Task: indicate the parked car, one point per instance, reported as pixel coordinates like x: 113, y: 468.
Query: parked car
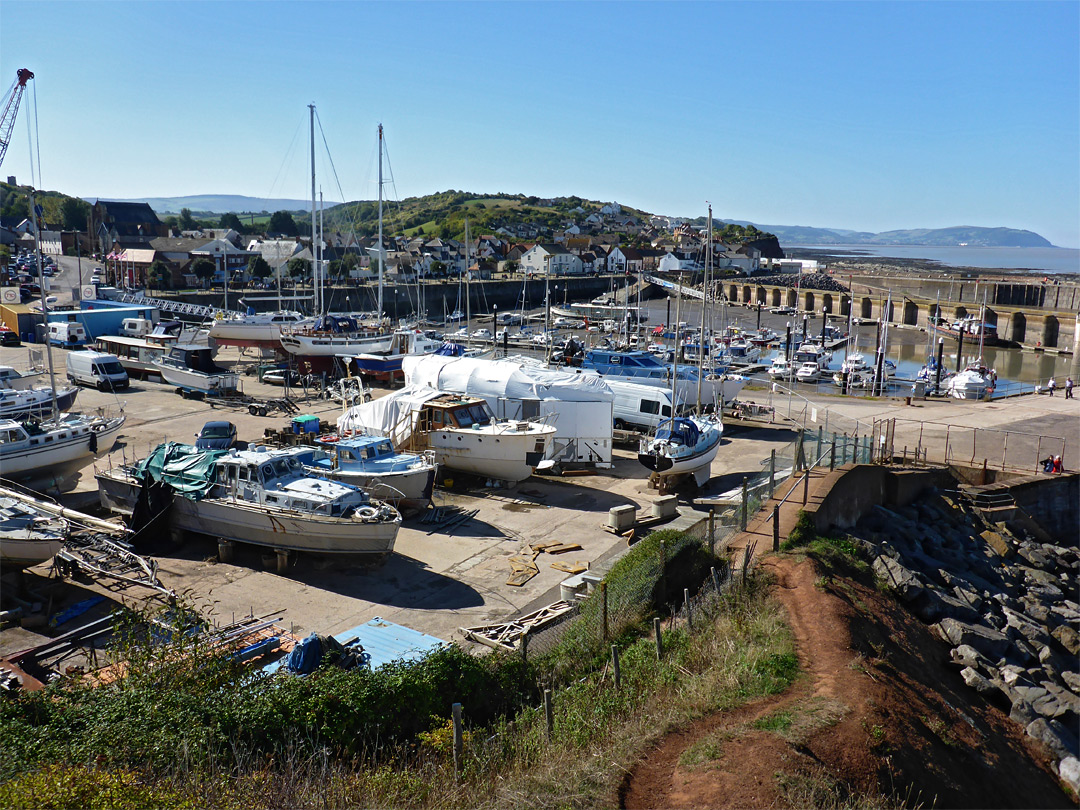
x: 8, y: 337
x: 218, y: 435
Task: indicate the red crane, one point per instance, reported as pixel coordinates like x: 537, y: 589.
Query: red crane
x: 7, y: 121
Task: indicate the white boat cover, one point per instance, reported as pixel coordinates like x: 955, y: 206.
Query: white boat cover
x: 393, y: 416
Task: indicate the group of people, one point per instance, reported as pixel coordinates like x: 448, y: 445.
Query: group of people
x: 1051, y: 386
x: 1051, y: 464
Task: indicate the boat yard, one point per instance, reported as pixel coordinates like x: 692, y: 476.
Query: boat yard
x: 452, y: 565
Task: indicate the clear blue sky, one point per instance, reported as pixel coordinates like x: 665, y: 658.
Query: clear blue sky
x: 868, y: 116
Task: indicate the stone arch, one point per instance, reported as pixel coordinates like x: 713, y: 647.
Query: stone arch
x: 776, y: 297
x: 1051, y: 327
x: 888, y: 310
x: 761, y: 299
x: 1018, y: 327
x: 746, y: 293
x: 960, y: 312
x: 808, y: 301
x: 792, y: 298
x: 867, y: 309
x: 911, y: 313
x: 845, y: 305
x: 733, y: 293
x: 827, y: 302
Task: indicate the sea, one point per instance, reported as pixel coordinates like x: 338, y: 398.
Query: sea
x: 1044, y: 260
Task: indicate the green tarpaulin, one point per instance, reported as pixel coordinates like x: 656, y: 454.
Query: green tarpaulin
x: 187, y: 470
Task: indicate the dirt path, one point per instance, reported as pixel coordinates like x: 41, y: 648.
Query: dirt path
x: 876, y: 706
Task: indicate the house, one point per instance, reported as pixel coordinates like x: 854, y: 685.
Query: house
x: 549, y: 257
x: 276, y: 252
x: 673, y: 263
x: 112, y: 221
x: 611, y: 209
x: 625, y: 260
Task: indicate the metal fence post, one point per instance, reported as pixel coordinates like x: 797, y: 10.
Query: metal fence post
x: 745, y: 505
x: 832, y: 453
x: 689, y: 609
x: 712, y: 530
x: 819, y: 437
x: 549, y: 714
x: 659, y: 638
x: 459, y: 740
x: 603, y: 593
x: 805, y: 487
x: 776, y: 527
x: 615, y: 666
x: 663, y: 574
x: 715, y: 579
x: 772, y: 472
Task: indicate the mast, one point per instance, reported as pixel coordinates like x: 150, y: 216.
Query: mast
x: 468, y: 309
x: 704, y: 304
x: 322, y: 262
x: 675, y: 359
x: 314, y: 221
x: 44, y: 303
x: 382, y: 261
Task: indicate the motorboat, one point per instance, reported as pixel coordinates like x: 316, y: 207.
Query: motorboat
x: 600, y: 309
x: 28, y: 536
x: 683, y: 446
x: 460, y: 430
x: 743, y: 352
x: 812, y: 352
x: 855, y: 362
x: 50, y: 449
x: 35, y: 402
x: 974, y: 382
x: 972, y: 327
x: 191, y: 368
x: 264, y: 497
x: 781, y: 369
x: 808, y: 372
x: 256, y: 329
x: 764, y: 337
x: 404, y: 480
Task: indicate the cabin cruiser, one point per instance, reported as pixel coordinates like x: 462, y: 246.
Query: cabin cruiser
x: 683, y: 446
x: 21, y: 380
x: 35, y: 402
x: 264, y: 497
x: 781, y: 369
x: 333, y: 335
x: 53, y: 448
x: 28, y: 535
x: 646, y: 369
x: 971, y: 327
x: 190, y: 367
x: 460, y: 430
x: 811, y: 352
x: 764, y: 337
x: 808, y: 372
x: 743, y: 352
x: 404, y: 480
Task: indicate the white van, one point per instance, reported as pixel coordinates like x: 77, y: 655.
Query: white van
x: 68, y: 334
x: 640, y: 407
x: 103, y: 371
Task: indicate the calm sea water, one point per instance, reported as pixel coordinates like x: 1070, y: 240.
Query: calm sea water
x: 1045, y: 260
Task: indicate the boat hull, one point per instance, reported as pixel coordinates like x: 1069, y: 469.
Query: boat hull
x: 16, y: 553
x: 697, y: 464
x: 409, y: 490
x: 197, y: 381
x: 65, y: 399
x: 503, y: 456
x: 256, y: 524
x: 60, y: 457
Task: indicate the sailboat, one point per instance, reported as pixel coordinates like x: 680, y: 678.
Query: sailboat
x: 58, y: 444
x: 684, y: 445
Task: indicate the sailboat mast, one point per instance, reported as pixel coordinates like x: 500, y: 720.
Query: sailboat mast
x: 323, y: 306
x: 704, y: 303
x: 381, y: 258
x: 675, y: 359
x: 314, y: 221
x: 44, y: 303
x: 468, y: 310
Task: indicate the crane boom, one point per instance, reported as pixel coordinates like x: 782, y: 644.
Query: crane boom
x: 11, y: 107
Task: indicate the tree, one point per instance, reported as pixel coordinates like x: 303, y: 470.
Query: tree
x: 259, y: 268
x: 160, y: 275
x: 73, y: 213
x: 298, y: 268
x: 231, y: 221
x: 186, y: 221
x: 203, y: 269
x: 283, y: 223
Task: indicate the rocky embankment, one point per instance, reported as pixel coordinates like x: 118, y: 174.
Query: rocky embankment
x: 1005, y: 604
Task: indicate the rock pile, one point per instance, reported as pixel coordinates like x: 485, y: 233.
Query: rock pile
x: 810, y: 281
x: 1006, y: 605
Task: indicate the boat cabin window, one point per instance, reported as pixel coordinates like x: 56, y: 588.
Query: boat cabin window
x: 472, y: 415
x: 384, y: 449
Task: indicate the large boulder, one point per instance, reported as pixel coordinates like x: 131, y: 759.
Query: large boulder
x: 1069, y: 771
x: 1067, y: 637
x: 897, y: 577
x: 1061, y: 742
x: 991, y: 643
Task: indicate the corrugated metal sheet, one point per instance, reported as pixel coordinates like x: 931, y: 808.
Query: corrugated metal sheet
x: 386, y: 641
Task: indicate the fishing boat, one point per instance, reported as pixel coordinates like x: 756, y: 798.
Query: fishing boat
x: 263, y: 497
x: 35, y: 402
x: 460, y: 430
x: 764, y: 337
x: 602, y: 308
x: 331, y: 336
x: 28, y: 536
x: 55, y: 447
x: 404, y: 480
x: 971, y: 327
x: 191, y: 368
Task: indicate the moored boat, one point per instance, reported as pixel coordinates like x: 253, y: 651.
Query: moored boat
x: 51, y: 449
x: 191, y: 367
x: 683, y: 446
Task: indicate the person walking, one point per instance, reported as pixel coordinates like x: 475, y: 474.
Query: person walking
x: 1068, y: 388
x: 1051, y: 386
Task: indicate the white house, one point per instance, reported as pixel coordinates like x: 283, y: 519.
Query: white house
x: 549, y: 257
x: 611, y: 209
x: 670, y: 263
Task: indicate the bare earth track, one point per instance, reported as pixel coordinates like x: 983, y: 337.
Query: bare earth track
x: 877, y: 711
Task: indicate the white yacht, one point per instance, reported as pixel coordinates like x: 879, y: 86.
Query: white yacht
x: 974, y: 382
x: 256, y: 330
x: 808, y: 372
x: 51, y: 449
x: 35, y: 403
x: 781, y: 369
x: 191, y: 368
x: 460, y: 430
x: 21, y: 380
x: 261, y: 496
x: 683, y: 446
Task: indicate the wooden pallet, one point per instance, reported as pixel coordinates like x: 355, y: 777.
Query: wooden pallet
x: 507, y: 635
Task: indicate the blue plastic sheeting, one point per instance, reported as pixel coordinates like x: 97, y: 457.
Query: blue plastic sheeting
x: 385, y: 641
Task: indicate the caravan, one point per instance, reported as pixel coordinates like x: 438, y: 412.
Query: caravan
x: 641, y: 407
x: 67, y: 334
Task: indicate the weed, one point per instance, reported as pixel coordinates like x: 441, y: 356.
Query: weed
x: 779, y: 722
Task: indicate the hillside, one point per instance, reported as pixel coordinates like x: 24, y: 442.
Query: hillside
x: 209, y: 204
x: 972, y: 235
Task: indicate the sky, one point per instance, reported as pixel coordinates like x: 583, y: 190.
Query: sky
x: 870, y: 116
